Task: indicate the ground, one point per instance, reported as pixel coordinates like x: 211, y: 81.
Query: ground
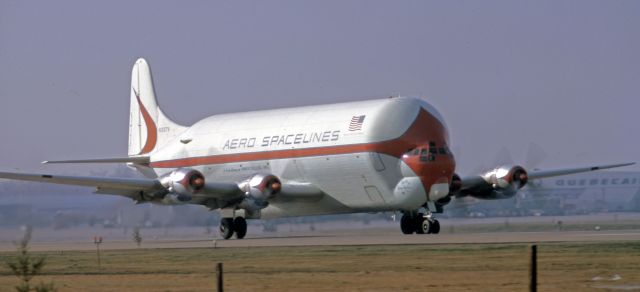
x: 447, y: 267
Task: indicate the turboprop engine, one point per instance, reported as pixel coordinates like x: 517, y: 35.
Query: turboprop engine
x: 502, y: 182
x: 259, y: 189
x: 181, y: 184
x: 507, y: 177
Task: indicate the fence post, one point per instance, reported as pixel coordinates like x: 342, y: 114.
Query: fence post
x: 533, y: 268
x: 97, y: 240
x: 220, y: 288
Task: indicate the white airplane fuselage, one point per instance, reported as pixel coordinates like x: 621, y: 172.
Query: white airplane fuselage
x: 381, y: 155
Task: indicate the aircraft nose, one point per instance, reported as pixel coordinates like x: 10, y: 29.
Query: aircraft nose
x: 434, y: 165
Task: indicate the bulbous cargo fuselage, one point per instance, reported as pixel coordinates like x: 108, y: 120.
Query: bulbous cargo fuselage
x: 379, y: 155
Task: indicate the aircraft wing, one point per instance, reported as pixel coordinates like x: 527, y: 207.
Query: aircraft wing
x: 298, y: 191
x: 213, y: 194
x: 504, y: 182
x: 475, y: 180
x: 128, y: 187
x: 88, y: 181
x: 536, y: 174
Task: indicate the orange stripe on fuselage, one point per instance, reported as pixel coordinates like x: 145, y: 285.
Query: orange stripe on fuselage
x: 266, y: 155
x: 413, y: 137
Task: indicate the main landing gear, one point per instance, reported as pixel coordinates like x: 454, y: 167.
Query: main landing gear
x: 419, y: 224
x: 229, y: 226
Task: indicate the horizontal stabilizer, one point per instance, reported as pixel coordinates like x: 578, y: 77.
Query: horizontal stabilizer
x: 135, y: 159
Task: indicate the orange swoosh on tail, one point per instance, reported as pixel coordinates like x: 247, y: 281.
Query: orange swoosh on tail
x: 152, y: 131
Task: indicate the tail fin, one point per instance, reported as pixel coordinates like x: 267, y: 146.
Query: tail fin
x: 149, y: 127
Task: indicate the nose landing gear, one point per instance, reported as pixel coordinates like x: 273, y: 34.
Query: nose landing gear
x: 419, y: 223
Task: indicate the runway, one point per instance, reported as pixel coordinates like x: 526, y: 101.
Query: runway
x: 597, y: 227
x: 467, y: 238
x: 355, y: 238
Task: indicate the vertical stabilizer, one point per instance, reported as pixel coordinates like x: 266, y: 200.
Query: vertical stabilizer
x: 149, y: 128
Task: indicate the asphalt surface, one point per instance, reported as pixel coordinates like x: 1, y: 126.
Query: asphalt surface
x: 455, y: 231
x: 362, y: 237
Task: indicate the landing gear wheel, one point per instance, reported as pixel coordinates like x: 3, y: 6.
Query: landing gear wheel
x: 418, y: 220
x: 240, y: 225
x: 226, y: 228
x: 435, y: 228
x: 426, y: 226
x: 407, y: 224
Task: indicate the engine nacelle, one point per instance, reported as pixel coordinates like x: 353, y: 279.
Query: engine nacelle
x: 502, y: 183
x: 258, y: 190
x: 182, y: 183
x: 261, y: 186
x: 507, y: 177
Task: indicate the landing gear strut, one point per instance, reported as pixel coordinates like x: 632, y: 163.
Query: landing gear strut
x: 419, y: 223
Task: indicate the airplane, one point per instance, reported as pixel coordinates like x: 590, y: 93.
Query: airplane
x: 388, y: 154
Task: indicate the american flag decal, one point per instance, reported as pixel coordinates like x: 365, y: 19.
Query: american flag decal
x: 356, y: 123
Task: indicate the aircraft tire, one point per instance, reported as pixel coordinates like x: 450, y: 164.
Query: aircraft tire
x: 426, y: 226
x: 240, y: 225
x: 226, y: 228
x: 407, y: 225
x: 418, y: 220
x: 435, y: 227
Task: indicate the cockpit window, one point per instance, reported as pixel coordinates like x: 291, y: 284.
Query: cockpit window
x: 429, y: 153
x: 412, y: 152
x: 424, y: 155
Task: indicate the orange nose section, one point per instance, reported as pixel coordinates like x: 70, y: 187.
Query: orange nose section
x: 433, y: 164
x: 425, y: 150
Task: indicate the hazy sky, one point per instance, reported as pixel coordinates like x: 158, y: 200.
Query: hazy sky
x: 563, y: 74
